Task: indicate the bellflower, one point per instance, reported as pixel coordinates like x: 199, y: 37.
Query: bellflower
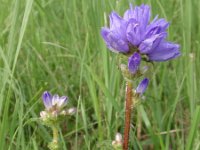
x: 53, y: 102
x: 54, y: 114
x: 135, y: 31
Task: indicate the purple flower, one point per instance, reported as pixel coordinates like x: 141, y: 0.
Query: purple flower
x: 141, y: 88
x: 134, y: 62
x: 135, y: 31
x: 47, y: 100
x: 54, y: 101
x: 115, y: 36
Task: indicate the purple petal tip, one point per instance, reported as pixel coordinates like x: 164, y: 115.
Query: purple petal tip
x: 142, y: 86
x: 47, y: 99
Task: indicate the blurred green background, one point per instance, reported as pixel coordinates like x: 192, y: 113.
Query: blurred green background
x: 56, y: 45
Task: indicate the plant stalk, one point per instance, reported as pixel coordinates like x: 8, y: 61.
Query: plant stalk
x: 128, y: 109
x: 54, y: 145
x: 55, y: 135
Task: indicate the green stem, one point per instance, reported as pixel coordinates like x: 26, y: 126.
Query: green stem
x: 54, y: 145
x: 55, y: 135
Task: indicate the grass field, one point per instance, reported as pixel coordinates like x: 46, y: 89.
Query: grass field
x: 56, y: 45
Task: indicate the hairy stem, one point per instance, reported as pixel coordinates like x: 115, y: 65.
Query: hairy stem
x: 55, y: 135
x: 54, y: 145
x: 128, y: 109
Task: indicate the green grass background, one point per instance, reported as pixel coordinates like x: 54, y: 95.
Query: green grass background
x: 56, y: 45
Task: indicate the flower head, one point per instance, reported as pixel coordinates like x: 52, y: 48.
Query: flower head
x: 53, y: 102
x: 136, y: 31
x: 141, y: 88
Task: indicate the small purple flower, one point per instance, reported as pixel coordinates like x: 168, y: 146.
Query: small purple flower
x: 54, y: 101
x: 47, y: 99
x: 141, y: 88
x: 135, y: 30
x: 134, y: 62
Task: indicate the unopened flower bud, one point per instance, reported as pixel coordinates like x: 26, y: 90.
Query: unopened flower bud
x: 64, y: 112
x: 54, y: 114
x: 118, y: 137
x: 117, y: 143
x: 134, y: 63
x: 43, y: 115
x: 71, y: 111
x: 123, y: 68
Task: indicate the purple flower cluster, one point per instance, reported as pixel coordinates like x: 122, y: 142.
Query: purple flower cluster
x: 55, y: 109
x: 53, y: 102
x: 135, y: 31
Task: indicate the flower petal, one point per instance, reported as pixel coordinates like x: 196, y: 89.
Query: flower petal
x: 118, y: 25
x: 134, y: 62
x: 129, y: 14
x: 114, y: 41
x: 165, y: 51
x: 55, y: 100
x: 140, y: 13
x: 115, y: 37
x: 115, y: 21
x: 151, y: 43
x: 62, y: 101
x: 162, y: 23
x: 142, y: 86
x: 47, y: 100
x: 134, y: 32
x: 156, y: 27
